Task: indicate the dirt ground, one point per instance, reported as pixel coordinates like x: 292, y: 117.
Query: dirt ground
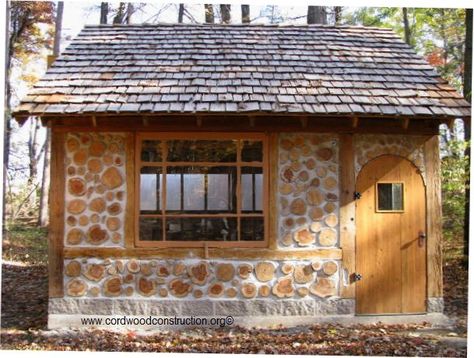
x: 24, y: 318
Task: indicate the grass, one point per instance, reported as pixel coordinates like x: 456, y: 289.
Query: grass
x: 25, y: 244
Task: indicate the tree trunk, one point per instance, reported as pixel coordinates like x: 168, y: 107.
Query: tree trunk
x: 180, y: 13
x: 406, y: 26
x: 467, y: 127
x: 43, y: 217
x: 337, y: 14
x: 317, y: 15
x: 58, y: 29
x: 130, y: 10
x: 118, y: 18
x: 6, y: 120
x: 225, y: 13
x: 245, y: 14
x: 209, y: 13
x: 104, y: 11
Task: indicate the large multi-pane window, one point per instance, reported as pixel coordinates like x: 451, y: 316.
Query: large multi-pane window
x: 198, y: 188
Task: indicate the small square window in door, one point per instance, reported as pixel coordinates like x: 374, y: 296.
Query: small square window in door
x: 390, y: 197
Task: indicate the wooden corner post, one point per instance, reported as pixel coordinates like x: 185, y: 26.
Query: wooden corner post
x: 56, y: 212
x: 347, y: 213
x: 272, y: 215
x: 433, y: 218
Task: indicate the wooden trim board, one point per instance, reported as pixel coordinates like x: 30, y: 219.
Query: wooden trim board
x: 347, y: 213
x: 433, y: 219
x: 56, y: 212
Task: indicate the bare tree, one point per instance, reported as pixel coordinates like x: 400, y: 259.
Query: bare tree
x: 245, y: 14
x: 225, y: 13
x: 209, y: 13
x: 317, y: 15
x: 180, y: 13
x: 104, y: 12
x: 406, y: 26
x: 129, y: 13
x: 43, y: 217
x: 337, y: 14
x: 467, y: 90
x: 119, y: 14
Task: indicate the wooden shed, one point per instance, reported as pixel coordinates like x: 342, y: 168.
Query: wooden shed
x: 254, y: 171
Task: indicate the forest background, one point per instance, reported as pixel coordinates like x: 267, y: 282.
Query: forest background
x: 36, y: 32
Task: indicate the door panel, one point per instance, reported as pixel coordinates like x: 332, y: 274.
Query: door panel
x: 389, y: 255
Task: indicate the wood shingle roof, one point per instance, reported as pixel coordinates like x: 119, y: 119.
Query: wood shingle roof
x: 241, y: 68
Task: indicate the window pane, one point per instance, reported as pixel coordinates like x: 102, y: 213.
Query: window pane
x: 218, y: 195
x: 151, y: 229
x: 150, y: 188
x: 202, y: 151
x: 151, y: 151
x: 201, y: 190
x: 252, y: 151
x: 193, y: 192
x: 390, y: 196
x: 251, y: 229
x: 201, y: 229
x: 173, y: 191
x: 252, y: 189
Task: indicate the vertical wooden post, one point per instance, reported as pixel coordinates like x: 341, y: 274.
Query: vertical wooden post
x: 433, y: 218
x: 272, y: 215
x: 347, y: 212
x: 56, y: 210
x: 129, y: 229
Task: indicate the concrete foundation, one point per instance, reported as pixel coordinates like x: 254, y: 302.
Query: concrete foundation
x: 70, y: 313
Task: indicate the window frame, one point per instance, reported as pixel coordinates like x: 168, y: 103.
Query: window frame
x: 141, y: 136
x: 377, y: 210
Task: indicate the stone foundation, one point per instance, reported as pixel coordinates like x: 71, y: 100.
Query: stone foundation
x: 139, y: 307
x: 435, y: 304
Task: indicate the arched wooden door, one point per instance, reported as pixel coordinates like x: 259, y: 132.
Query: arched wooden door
x: 390, y: 238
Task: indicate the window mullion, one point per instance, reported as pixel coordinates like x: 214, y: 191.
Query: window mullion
x: 164, y: 186
x: 239, y: 147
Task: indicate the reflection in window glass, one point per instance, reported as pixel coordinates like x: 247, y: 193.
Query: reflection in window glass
x: 193, y: 192
x: 197, y: 198
x: 150, y: 188
x: 218, y: 195
x: 252, y: 189
x: 390, y: 196
x: 201, y: 229
x: 251, y: 229
x: 218, y: 151
x: 151, y: 229
x: 151, y: 151
x: 252, y: 151
x: 173, y: 191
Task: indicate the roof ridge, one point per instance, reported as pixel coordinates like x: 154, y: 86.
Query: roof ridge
x: 168, y: 24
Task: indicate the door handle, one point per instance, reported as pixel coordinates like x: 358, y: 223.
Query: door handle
x: 421, y: 238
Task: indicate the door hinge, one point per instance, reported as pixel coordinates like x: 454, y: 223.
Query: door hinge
x: 357, y: 195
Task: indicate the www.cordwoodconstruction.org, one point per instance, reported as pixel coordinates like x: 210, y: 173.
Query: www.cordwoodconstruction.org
x: 158, y: 321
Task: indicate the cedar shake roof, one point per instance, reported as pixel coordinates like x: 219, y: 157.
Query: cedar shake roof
x: 321, y: 70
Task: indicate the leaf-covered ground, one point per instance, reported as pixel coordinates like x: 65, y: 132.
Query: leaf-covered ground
x: 24, y: 318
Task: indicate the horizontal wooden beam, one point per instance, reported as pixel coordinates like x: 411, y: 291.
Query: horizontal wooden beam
x: 212, y: 252
x: 249, y: 124
x: 405, y: 123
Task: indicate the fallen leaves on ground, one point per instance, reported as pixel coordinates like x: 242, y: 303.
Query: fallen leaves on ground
x: 455, y: 281
x: 327, y: 339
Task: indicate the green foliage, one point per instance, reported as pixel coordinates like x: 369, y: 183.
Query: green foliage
x: 436, y: 34
x: 26, y: 244
x: 453, y: 169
